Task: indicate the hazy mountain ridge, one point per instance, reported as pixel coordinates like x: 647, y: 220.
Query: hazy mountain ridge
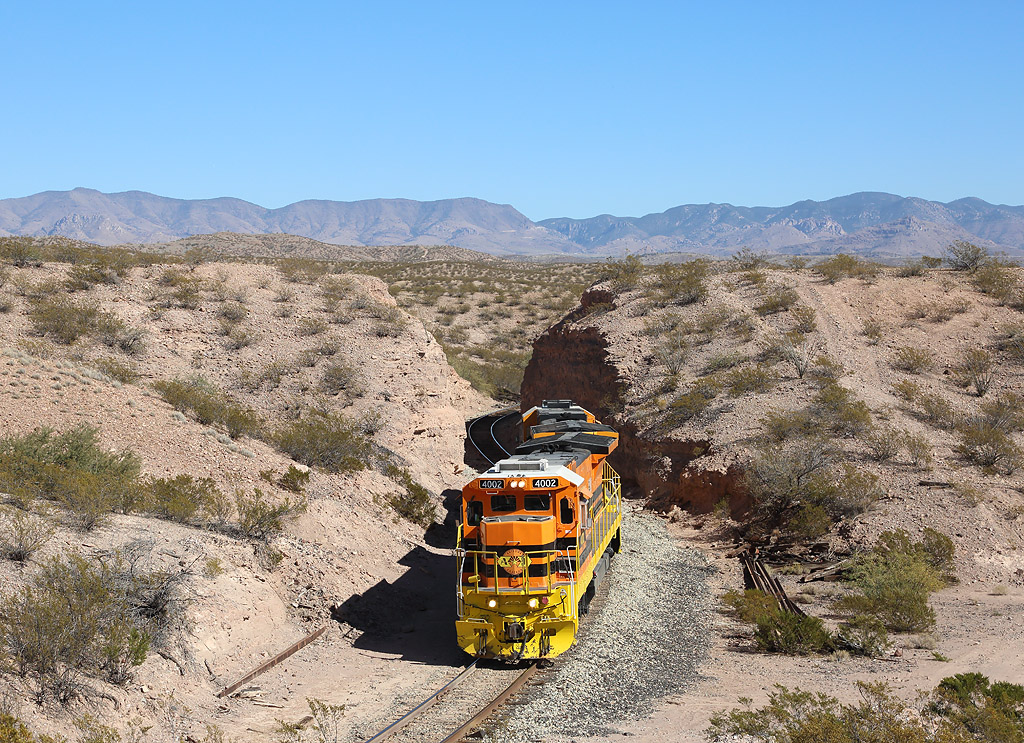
x: 869, y: 223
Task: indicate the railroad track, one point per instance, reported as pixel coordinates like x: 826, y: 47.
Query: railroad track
x: 482, y: 436
x: 756, y: 575
x: 459, y: 707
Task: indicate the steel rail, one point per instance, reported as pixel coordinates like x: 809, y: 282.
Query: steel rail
x: 489, y: 710
x: 423, y: 706
x: 493, y: 439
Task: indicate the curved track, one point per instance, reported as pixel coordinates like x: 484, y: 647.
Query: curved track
x: 460, y: 706
x: 482, y: 435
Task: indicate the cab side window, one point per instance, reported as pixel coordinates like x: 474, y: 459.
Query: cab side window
x: 565, y: 513
x: 474, y: 512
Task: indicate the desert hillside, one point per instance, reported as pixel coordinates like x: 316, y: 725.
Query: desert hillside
x: 185, y: 404
x: 885, y: 366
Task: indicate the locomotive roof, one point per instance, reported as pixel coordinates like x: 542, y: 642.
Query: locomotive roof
x: 569, y: 425
x: 588, y: 443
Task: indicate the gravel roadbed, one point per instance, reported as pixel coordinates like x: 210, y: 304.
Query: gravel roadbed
x: 647, y: 632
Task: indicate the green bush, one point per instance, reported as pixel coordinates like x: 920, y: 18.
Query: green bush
x: 792, y: 634
x: 624, y: 273
x: 114, y: 368
x: 22, y: 533
x: 682, y: 283
x: 20, y: 252
x: 180, y: 498
x: 326, y: 440
x: 776, y: 299
x: 841, y: 266
x: 838, y: 409
x: 913, y: 360
x: 209, y: 405
x: 962, y: 709
x: 975, y: 370
x: 294, y: 479
x: 413, y: 502
x: 339, y: 377
x: 895, y: 580
x: 804, y: 319
x: 70, y: 468
x: 750, y: 379
x: 988, y: 447
x: 79, y: 617
x: 965, y: 256
x: 749, y: 605
x: 260, y: 519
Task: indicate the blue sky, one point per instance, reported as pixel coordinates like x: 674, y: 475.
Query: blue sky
x: 560, y: 109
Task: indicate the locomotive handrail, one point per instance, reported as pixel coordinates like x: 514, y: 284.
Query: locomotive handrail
x: 546, y: 557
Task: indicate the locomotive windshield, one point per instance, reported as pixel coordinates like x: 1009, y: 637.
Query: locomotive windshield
x: 503, y: 503
x: 537, y: 502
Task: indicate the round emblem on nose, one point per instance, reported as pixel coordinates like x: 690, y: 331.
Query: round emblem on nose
x: 514, y: 561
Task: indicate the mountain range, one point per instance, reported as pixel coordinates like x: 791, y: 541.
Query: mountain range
x: 874, y: 224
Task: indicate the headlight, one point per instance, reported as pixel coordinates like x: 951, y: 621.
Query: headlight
x: 532, y: 603
x: 492, y: 603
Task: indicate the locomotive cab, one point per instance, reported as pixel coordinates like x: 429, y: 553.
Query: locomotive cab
x: 534, y: 529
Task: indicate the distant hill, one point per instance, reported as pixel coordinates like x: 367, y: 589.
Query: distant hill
x: 873, y: 224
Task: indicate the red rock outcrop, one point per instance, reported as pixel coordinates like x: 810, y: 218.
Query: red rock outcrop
x: 571, y: 360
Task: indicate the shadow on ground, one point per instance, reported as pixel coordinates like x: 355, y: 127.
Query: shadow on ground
x: 413, y: 617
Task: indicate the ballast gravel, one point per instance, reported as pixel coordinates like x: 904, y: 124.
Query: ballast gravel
x: 647, y: 632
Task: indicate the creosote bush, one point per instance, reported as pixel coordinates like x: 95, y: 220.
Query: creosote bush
x: 22, y: 533
x: 963, y: 709
x: 209, y: 405
x: 913, y: 360
x: 895, y: 579
x: 681, y: 283
x: 326, y: 440
x: 965, y: 256
x: 79, y: 617
x: 777, y: 631
x: 414, y: 501
x: 260, y: 519
x: 975, y: 370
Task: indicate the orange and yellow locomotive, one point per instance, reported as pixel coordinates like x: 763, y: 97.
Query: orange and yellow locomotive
x: 537, y: 535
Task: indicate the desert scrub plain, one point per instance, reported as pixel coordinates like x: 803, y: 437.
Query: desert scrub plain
x: 486, y: 313
x: 837, y: 410
x: 206, y: 456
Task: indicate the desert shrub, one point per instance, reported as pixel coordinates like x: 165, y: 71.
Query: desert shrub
x: 339, y: 377
x: 1012, y: 341
x: 919, y: 449
x: 964, y: 256
x: 70, y: 468
x: 83, y: 276
x: 260, y: 519
x: 796, y: 349
x: 997, y: 279
x: 988, y: 447
x: 827, y: 370
x: 294, y: 479
x: 233, y: 312
x: 209, y: 405
x: 792, y: 634
x: 413, y: 501
x: 976, y: 370
x: 776, y: 299
x: 624, y: 273
x: 123, y: 371
x: 747, y: 259
x: 840, y: 411
x: 749, y: 605
x: 896, y: 578
x: 326, y: 440
x: 842, y: 266
x: 19, y: 252
x: 965, y: 707
x: 883, y: 443
x: 180, y: 498
x: 80, y: 617
x: 803, y: 319
x: 863, y: 634
x: 694, y: 401
x: 22, y: 533
x: 62, y: 319
x: 911, y: 268
x: 872, y: 330
x: 912, y: 359
x: 1005, y: 413
x: 682, y: 283
x: 723, y: 361
x: 856, y: 491
x: 237, y: 338
x: 750, y: 379
x: 779, y: 426
x: 311, y: 326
